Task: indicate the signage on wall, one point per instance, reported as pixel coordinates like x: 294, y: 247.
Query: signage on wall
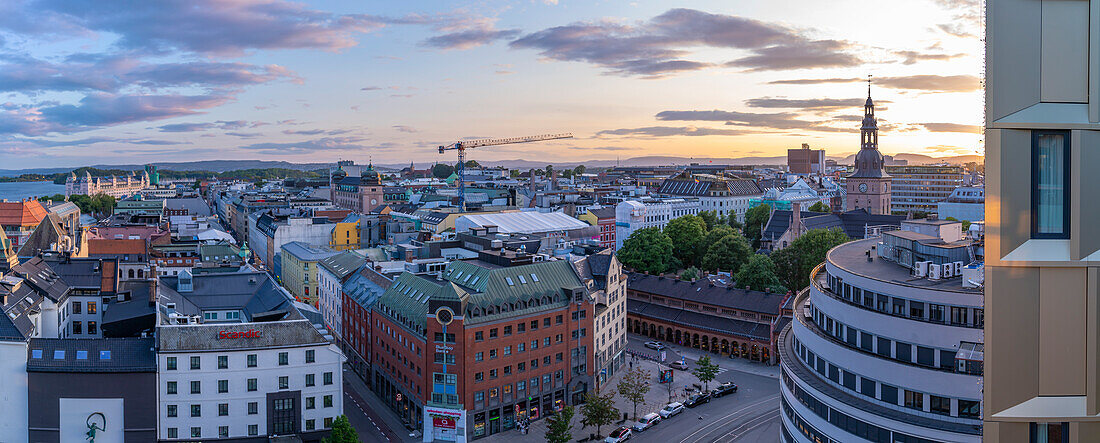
x: 443, y: 348
x: 96, y: 422
x: 251, y: 333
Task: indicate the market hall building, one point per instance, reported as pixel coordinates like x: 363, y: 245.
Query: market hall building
x: 700, y: 314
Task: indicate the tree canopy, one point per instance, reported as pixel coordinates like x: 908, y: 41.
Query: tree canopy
x: 759, y: 274
x: 442, y: 170
x: 598, y: 410
x: 755, y: 219
x: 342, y: 432
x: 559, y: 426
x: 686, y: 234
x: 634, y: 386
x: 727, y: 254
x: 795, y: 262
x: 819, y: 207
x: 705, y: 370
x: 710, y: 218
x: 102, y: 204
x: 647, y: 250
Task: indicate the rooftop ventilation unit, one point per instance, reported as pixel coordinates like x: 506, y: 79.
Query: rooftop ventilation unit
x: 935, y: 272
x: 920, y: 269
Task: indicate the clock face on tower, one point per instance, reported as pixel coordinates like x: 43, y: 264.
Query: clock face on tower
x: 863, y: 187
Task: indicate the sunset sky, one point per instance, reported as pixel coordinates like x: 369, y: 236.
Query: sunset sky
x: 88, y: 82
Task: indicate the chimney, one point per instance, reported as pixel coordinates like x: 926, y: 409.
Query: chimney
x: 153, y: 292
x: 796, y: 218
x: 409, y: 255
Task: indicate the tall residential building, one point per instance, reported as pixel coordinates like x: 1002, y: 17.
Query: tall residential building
x: 1042, y: 130
x: 886, y: 343
x: 920, y: 188
x: 869, y: 186
x: 806, y: 160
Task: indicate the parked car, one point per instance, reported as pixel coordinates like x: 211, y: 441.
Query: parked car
x: 723, y: 389
x: 647, y: 421
x: 671, y: 409
x: 655, y: 345
x: 619, y: 435
x: 697, y: 399
x: 679, y: 364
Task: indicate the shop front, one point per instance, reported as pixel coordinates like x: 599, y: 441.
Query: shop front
x: 444, y: 425
x: 505, y: 418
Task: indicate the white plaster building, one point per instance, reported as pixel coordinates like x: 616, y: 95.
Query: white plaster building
x: 332, y: 273
x: 632, y: 215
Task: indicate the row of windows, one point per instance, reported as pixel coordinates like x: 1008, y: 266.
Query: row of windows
x: 520, y: 386
x: 850, y: 424
x: 172, y: 411
x: 520, y: 327
x: 507, y: 350
x: 250, y: 360
x: 520, y: 367
x: 253, y: 430
x: 887, y: 393
x: 251, y: 384
x: 78, y: 327
x: 891, y: 349
x: 915, y: 310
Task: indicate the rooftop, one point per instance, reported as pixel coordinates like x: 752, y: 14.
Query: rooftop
x: 706, y: 292
x: 852, y: 257
x: 91, y: 355
x: 21, y: 213
x: 525, y: 222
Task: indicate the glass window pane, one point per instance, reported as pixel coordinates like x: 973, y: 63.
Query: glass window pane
x: 1050, y: 183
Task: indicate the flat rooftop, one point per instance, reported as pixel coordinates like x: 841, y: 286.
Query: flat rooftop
x: 852, y: 257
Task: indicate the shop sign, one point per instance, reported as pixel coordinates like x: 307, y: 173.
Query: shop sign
x: 251, y: 333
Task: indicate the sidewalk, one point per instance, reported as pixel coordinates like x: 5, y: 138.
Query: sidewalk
x: 380, y: 411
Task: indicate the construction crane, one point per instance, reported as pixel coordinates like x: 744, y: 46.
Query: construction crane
x: 461, y: 147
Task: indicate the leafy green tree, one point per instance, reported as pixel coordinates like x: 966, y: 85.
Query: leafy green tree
x: 472, y: 164
x: 342, y: 432
x: 442, y: 170
x: 560, y: 426
x: 965, y: 223
x: 735, y: 224
x: 819, y: 207
x: 728, y: 254
x: 514, y: 173
x: 689, y: 274
x: 686, y: 233
x: 634, y: 386
x: 549, y: 170
x: 759, y: 274
x: 714, y: 235
x: 580, y: 169
x: 795, y: 262
x: 566, y: 173
x: 755, y: 219
x: 598, y: 410
x: 647, y: 250
x: 705, y: 371
x: 710, y: 218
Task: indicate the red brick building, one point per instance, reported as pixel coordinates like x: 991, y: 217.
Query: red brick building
x: 605, y: 220
x: 491, y: 341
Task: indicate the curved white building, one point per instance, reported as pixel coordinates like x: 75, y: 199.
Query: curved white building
x: 879, y: 351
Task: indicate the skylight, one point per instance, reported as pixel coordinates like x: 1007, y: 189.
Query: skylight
x: 36, y: 353
x: 59, y: 354
x: 475, y: 280
x: 104, y: 355
x: 534, y: 277
x: 81, y: 355
x: 509, y: 280
x: 522, y: 280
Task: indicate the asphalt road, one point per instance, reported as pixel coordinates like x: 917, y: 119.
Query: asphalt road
x: 750, y: 415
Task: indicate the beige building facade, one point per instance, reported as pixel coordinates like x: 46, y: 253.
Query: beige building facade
x: 1042, y: 359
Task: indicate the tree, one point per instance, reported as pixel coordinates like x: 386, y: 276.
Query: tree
x: 647, y: 250
x: 714, y: 235
x: 728, y: 254
x: 514, y: 173
x: 735, y: 224
x: 710, y: 218
x: 759, y: 273
x: 472, y: 164
x: 795, y: 262
x: 566, y: 173
x: 755, y: 219
x: 633, y: 386
x: 965, y: 223
x: 549, y: 170
x: 442, y: 170
x: 598, y: 410
x: 819, y: 207
x: 579, y: 170
x: 342, y: 432
x: 689, y: 274
x: 705, y: 371
x: 686, y: 233
x: 560, y: 426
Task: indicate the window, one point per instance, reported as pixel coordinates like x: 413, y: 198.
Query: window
x: 311, y: 402
x: 479, y: 356
x: 92, y: 327
x: 328, y: 422
x: 493, y: 333
x: 940, y: 405
x: 171, y: 363
x: 508, y: 370
x: 534, y: 324
x: 253, y: 408
x: 970, y: 409
x: 479, y: 336
x: 311, y: 356
x: 328, y: 378
x: 914, y: 400
x: 76, y: 307
x: 173, y: 433
x: 328, y: 401
x: 91, y: 307
x: 223, y: 362
x: 480, y: 376
x: 196, y: 387
x: 251, y: 385
x: 916, y: 309
x: 492, y: 354
x: 172, y: 410
x: 519, y: 347
x: 534, y: 344
x: 223, y: 409
x: 310, y: 380
x: 196, y: 410
x: 935, y: 313
x: 507, y: 351
x: 958, y: 316
x: 479, y: 396
x: 311, y: 424
x: 492, y: 373
x: 521, y: 327
x: 223, y: 431
x: 284, y: 358
x: 558, y: 320
x: 252, y: 360
x: 253, y: 429
x: 1049, y: 190
x: 1049, y: 432
x: 284, y: 382
x: 78, y: 327
x: 223, y: 386
x: 507, y: 331
x: 195, y: 363
x: 196, y: 432
x: 171, y: 387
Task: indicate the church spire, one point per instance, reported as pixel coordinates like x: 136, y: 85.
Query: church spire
x: 869, y: 129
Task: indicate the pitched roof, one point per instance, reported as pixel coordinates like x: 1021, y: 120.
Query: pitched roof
x: 343, y: 264
x: 22, y: 213
x: 726, y: 325
x: 603, y: 213
x: 91, y: 355
x: 704, y: 292
x: 45, y: 237
x: 524, y: 222
x: 686, y: 185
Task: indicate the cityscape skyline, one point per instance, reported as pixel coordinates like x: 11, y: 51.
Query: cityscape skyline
x: 315, y: 82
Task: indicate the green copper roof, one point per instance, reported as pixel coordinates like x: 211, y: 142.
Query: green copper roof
x: 500, y: 292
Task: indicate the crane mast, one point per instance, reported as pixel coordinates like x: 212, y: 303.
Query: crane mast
x: 461, y: 147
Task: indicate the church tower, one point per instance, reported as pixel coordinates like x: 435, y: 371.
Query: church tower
x: 869, y: 186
